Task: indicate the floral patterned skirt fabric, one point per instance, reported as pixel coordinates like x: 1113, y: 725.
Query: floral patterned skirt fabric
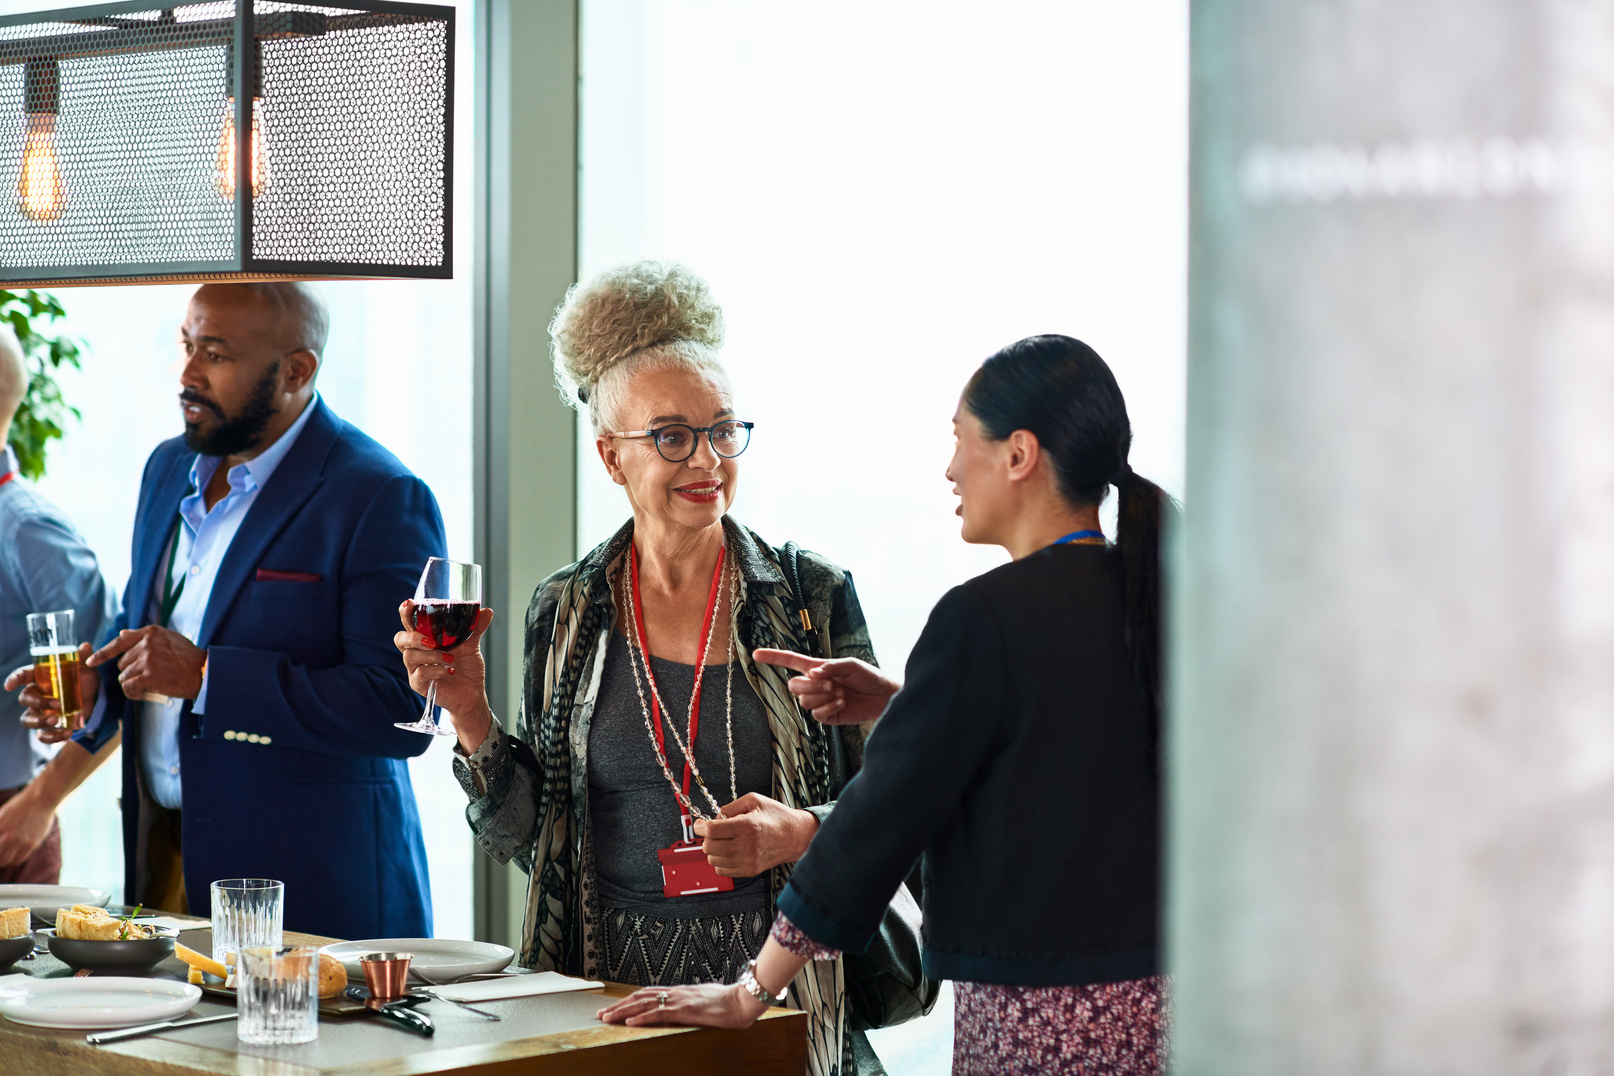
x: 1102, y: 1029
x: 796, y: 942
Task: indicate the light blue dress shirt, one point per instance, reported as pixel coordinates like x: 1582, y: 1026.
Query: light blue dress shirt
x: 44, y: 566
x: 204, y: 538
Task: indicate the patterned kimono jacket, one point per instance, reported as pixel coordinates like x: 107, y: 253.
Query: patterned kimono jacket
x: 531, y: 803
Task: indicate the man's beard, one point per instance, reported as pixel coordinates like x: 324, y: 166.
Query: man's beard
x: 234, y: 435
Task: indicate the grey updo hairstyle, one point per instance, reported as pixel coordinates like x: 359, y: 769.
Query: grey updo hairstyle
x: 649, y: 315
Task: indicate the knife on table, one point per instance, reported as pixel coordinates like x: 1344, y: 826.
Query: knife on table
x: 398, y: 1012
x: 151, y: 1029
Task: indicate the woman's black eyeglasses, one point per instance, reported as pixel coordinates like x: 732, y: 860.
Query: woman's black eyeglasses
x: 676, y: 442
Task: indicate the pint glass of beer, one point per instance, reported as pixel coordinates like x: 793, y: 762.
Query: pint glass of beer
x: 54, y: 646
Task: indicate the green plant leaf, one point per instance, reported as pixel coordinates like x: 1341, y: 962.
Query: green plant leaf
x: 43, y: 415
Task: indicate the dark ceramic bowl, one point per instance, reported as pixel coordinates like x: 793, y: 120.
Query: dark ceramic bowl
x: 125, y: 956
x: 14, y: 949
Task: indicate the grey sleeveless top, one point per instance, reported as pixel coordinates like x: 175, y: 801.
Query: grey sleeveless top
x: 632, y: 812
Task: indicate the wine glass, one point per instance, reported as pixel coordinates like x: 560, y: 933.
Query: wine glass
x: 448, y: 600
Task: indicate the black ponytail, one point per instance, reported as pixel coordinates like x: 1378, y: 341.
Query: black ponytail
x: 1060, y: 390
x: 1140, y: 521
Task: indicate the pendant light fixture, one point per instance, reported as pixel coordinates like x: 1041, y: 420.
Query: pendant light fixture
x: 224, y: 168
x: 40, y: 195
x: 127, y: 143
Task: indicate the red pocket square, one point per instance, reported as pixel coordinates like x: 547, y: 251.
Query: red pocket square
x: 269, y: 575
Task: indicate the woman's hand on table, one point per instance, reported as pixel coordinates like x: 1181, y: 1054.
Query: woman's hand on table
x: 41, y: 711
x: 755, y: 834
x: 712, y: 1004
x: 837, y: 691
x: 460, y: 675
x: 708, y: 1005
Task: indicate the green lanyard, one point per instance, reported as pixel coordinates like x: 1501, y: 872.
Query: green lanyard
x: 171, y: 591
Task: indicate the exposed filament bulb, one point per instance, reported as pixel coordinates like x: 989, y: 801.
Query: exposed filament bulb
x: 40, y: 191
x: 224, y: 168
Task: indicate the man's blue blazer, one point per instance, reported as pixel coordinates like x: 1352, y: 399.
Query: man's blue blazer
x: 295, y: 771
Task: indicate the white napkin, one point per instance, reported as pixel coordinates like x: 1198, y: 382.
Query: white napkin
x: 176, y: 924
x: 515, y: 986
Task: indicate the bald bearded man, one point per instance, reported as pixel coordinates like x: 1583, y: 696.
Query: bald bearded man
x: 253, y: 677
x: 44, y: 566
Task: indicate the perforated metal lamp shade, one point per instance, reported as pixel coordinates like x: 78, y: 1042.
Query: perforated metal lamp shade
x: 125, y: 148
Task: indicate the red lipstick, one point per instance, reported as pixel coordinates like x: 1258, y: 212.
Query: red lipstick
x: 705, y: 491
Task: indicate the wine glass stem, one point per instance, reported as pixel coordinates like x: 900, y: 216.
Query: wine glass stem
x: 431, y: 704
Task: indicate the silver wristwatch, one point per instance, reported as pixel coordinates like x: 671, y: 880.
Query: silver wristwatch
x: 748, y: 980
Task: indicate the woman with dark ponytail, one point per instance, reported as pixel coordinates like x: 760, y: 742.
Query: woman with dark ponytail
x: 1019, y: 761
x: 1060, y: 391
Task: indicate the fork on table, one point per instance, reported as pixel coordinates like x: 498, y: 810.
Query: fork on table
x: 435, y: 996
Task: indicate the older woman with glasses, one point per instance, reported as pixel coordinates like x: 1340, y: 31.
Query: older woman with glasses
x: 652, y: 863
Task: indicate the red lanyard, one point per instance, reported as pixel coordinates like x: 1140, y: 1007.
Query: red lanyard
x: 7, y: 477
x: 706, y: 641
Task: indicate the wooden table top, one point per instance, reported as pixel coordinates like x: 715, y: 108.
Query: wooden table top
x: 550, y: 1035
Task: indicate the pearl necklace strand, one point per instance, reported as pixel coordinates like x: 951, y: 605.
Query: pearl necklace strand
x: 641, y: 654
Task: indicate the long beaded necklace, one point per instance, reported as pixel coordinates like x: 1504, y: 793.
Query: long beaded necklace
x: 630, y: 603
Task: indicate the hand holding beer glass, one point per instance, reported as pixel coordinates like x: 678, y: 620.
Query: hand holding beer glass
x: 54, y: 662
x: 54, y: 646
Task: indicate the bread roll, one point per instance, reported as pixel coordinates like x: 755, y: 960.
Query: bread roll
x: 86, y: 923
x: 88, y: 927
x: 13, y: 922
x: 332, y: 976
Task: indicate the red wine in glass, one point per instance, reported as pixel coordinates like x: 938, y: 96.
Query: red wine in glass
x: 446, y: 624
x: 447, y: 602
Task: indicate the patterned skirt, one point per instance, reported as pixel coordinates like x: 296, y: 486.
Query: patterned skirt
x: 647, y: 950
x: 1103, y: 1029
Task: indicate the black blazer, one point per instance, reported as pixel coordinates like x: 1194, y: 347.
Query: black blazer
x: 1018, y: 760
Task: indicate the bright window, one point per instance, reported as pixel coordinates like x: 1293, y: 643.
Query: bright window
x: 882, y: 194
x: 397, y: 351
x: 398, y: 366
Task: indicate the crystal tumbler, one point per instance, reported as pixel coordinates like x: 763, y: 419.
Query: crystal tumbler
x: 246, y: 914
x: 277, y: 995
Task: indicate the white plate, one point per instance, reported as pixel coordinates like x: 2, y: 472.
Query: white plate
x: 111, y: 1001
x: 45, y: 899
x: 439, y: 959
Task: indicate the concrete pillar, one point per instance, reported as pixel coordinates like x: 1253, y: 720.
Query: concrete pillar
x: 526, y: 448
x: 1391, y: 839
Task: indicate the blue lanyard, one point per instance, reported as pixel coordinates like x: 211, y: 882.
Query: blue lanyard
x: 1076, y: 536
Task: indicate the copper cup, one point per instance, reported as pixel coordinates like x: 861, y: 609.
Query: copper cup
x: 386, y: 974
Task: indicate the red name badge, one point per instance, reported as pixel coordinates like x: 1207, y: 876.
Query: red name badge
x: 685, y: 871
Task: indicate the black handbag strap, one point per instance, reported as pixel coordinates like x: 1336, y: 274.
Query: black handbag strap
x: 793, y: 581
x: 886, y: 983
